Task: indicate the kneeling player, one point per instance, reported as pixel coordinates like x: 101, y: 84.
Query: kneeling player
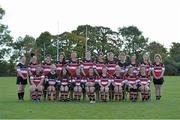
x: 144, y: 82
x: 36, y: 87
x: 104, y: 85
x: 132, y: 84
x: 64, y: 89
x: 52, y: 78
x: 117, y: 83
x: 90, y: 85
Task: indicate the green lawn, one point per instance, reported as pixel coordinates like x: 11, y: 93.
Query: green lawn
x: 168, y: 107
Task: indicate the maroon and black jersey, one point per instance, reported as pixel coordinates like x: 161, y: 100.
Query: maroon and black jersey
x: 77, y: 79
x: 135, y: 67
x: 99, y: 66
x: 46, y: 68
x: 123, y: 67
x: 52, y: 78
x: 144, y: 79
x: 23, y: 69
x: 36, y: 79
x: 91, y: 78
x: 64, y: 80
x: 86, y: 65
x: 72, y: 65
x: 131, y: 78
x: 59, y: 66
x: 32, y: 68
x: 148, y: 67
x: 104, y: 80
x: 117, y: 80
x: 158, y: 69
x: 111, y: 67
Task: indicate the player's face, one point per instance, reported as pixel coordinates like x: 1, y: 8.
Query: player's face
x: 111, y: 55
x: 61, y: 57
x: 34, y: 60
x: 117, y: 72
x: 100, y: 56
x: 157, y: 60
x: 104, y: 70
x: 23, y: 60
x: 122, y: 57
x: 78, y: 71
x: 73, y: 55
x: 48, y: 60
x: 88, y: 55
x: 133, y: 58
x: 145, y: 58
x: 130, y: 71
x: 142, y: 70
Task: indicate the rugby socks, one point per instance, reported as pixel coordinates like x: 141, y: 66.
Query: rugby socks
x: 19, y: 96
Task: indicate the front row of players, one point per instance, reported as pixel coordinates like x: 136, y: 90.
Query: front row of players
x: 95, y: 87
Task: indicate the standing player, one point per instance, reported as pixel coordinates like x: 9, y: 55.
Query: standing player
x: 22, y: 74
x: 72, y: 65
x: 36, y: 87
x: 32, y: 66
x: 147, y: 63
x: 123, y: 65
x: 158, y: 73
x: 111, y: 66
x: 134, y: 65
x: 87, y: 63
x: 46, y: 66
x: 100, y: 62
x: 60, y: 63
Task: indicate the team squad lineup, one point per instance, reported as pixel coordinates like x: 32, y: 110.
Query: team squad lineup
x: 103, y: 79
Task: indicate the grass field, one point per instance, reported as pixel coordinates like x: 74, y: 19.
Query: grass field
x: 167, y: 107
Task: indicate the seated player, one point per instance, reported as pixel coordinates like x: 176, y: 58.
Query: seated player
x: 132, y: 84
x: 144, y: 83
x: 104, y: 85
x: 64, y: 89
x: 51, y: 79
x: 118, y: 83
x: 76, y: 80
x: 90, y: 85
x: 36, y: 87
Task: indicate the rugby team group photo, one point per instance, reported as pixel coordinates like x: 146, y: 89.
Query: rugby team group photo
x: 103, y: 79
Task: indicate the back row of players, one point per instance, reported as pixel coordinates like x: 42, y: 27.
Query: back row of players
x: 101, y: 79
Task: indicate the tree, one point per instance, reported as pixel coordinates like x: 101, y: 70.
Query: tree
x: 23, y: 46
x: 156, y: 48
x: 175, y: 51
x: 44, y: 45
x: 69, y: 42
x: 99, y: 38
x: 5, y: 38
x: 134, y: 41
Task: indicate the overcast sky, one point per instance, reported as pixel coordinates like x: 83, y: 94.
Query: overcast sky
x: 157, y: 19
